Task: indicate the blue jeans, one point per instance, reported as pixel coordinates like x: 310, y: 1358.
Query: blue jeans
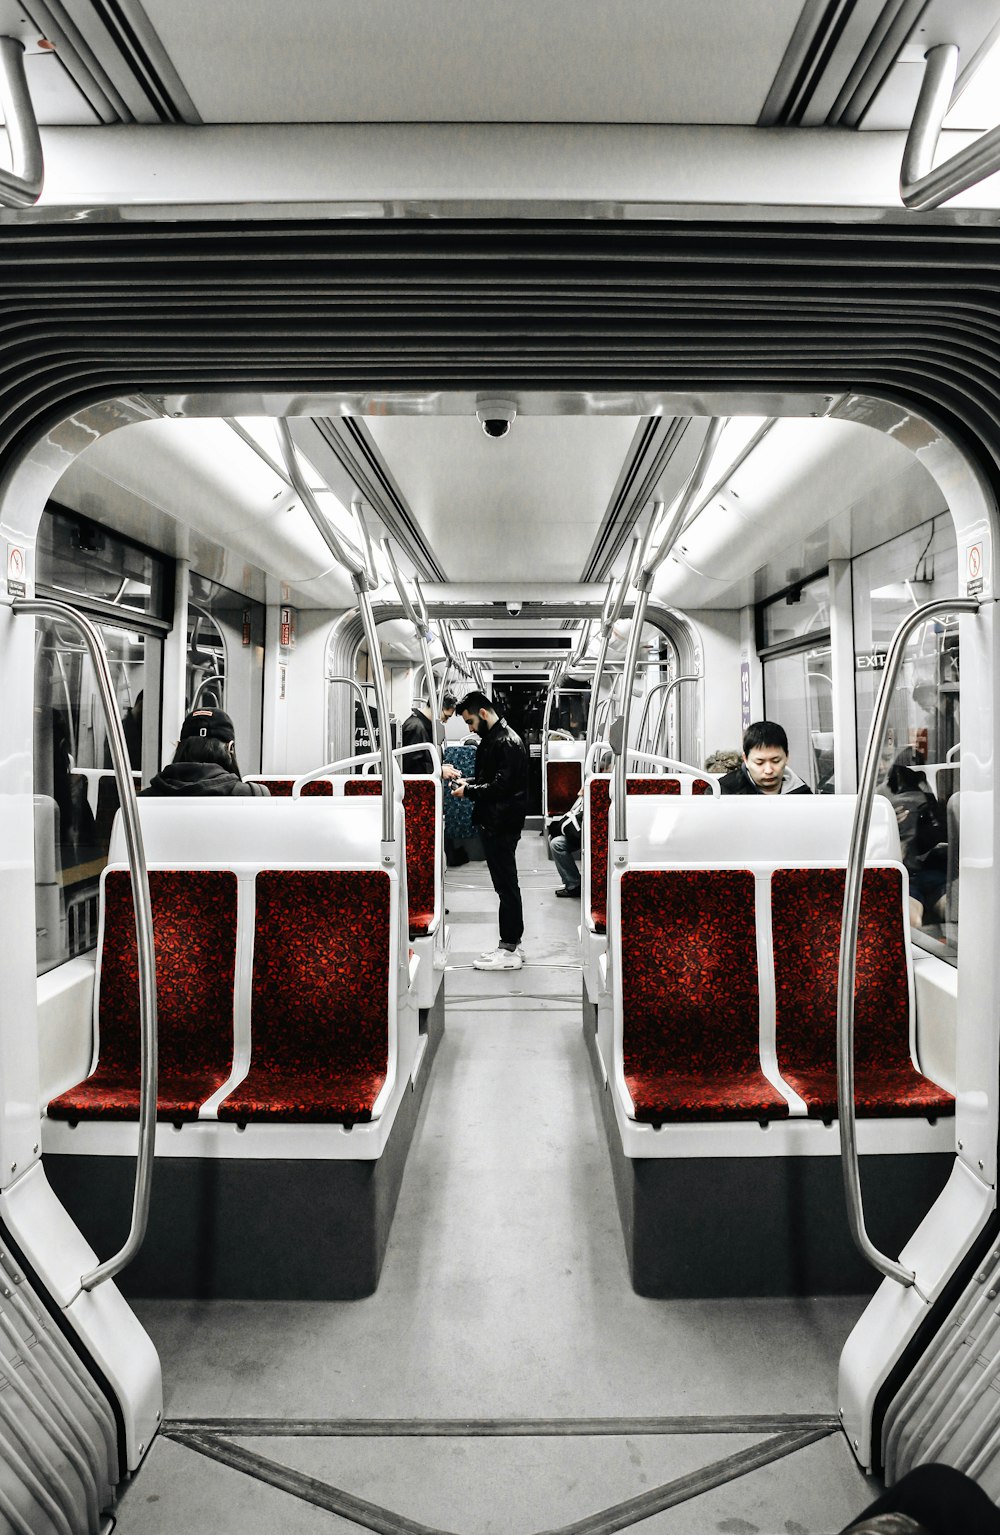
x: 566, y: 862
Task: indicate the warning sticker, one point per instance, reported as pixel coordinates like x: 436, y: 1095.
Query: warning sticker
x: 17, y: 571
x: 974, y: 570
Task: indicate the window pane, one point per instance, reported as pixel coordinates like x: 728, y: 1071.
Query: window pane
x: 75, y: 792
x: 798, y: 694
x: 79, y: 556
x: 918, y: 770
x: 804, y: 611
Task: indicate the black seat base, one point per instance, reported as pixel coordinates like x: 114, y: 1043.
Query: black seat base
x: 719, y: 1227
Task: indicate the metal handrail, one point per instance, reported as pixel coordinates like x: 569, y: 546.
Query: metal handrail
x: 343, y: 551
x: 143, y: 911
x: 21, y: 186
x: 352, y: 682
x: 674, y: 683
x: 421, y: 626
x: 366, y: 760
x: 644, y: 716
x: 671, y: 525
x: 921, y: 183
x: 849, y: 934
x: 674, y: 765
x: 207, y: 682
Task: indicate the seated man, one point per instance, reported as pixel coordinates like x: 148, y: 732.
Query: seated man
x: 565, y: 843
x: 764, y: 769
x: 205, y: 760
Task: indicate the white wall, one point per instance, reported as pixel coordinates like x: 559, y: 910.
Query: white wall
x: 293, y: 725
x: 719, y: 635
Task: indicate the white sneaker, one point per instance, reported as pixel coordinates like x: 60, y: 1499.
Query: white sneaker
x: 499, y: 959
x: 488, y: 953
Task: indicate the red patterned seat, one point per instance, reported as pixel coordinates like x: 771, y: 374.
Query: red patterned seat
x: 281, y: 788
x: 563, y: 779
x: 194, y: 931
x: 600, y: 803
x: 806, y: 907
x: 320, y: 990
x: 690, y: 996
x: 420, y: 808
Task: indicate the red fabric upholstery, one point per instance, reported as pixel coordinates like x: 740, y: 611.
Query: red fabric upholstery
x: 690, y: 996
x: 564, y: 780
x: 319, y: 1012
x: 281, y: 788
x: 421, y: 845
x: 806, y: 907
x: 699, y: 786
x: 194, y: 935
x: 600, y: 806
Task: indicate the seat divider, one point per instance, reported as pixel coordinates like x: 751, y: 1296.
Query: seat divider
x: 246, y: 916
x: 797, y: 1107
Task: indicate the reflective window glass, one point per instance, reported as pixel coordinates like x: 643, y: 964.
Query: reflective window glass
x: 798, y: 694
x: 798, y: 613
x: 78, y: 556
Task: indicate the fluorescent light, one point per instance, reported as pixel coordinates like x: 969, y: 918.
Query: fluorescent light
x: 894, y: 591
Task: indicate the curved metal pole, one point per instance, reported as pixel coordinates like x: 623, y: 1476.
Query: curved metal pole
x: 207, y: 682
x: 352, y: 682
x: 645, y: 580
x: 674, y: 683
x: 675, y: 765
x: 597, y: 679
x: 143, y: 910
x: 20, y: 187
x: 921, y: 184
x: 644, y: 716
x: 342, y: 549
x: 674, y: 519
x: 849, y: 935
x: 364, y: 760
x: 382, y: 704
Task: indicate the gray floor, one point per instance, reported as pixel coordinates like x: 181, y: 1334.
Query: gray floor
x: 504, y: 1295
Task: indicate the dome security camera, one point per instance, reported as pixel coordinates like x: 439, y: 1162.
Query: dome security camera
x: 513, y: 608
x: 496, y: 417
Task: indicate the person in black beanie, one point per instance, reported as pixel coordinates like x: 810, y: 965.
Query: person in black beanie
x: 205, y: 760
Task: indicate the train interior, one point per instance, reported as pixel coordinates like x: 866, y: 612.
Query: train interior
x: 687, y: 1222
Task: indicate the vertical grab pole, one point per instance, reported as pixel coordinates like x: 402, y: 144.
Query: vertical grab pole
x: 849, y: 936
x: 644, y: 581
x: 142, y: 908
x: 388, y: 798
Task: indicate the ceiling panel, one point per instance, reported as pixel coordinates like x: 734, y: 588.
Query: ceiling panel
x: 689, y: 61
x: 525, y: 507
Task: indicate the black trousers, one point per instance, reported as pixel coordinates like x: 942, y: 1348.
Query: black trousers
x: 942, y: 1501
x: 501, y: 860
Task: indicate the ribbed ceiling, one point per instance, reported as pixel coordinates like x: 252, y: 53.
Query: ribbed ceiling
x: 908, y: 310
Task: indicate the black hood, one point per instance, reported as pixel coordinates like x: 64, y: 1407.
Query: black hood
x: 186, y: 778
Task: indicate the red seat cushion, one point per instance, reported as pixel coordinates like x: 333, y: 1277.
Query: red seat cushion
x: 806, y: 906
x: 690, y: 996
x: 564, y: 780
x: 421, y: 845
x: 600, y: 805
x: 281, y: 788
x: 319, y: 1011
x: 194, y: 939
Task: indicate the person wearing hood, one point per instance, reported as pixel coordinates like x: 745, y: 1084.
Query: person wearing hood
x: 764, y: 768
x: 205, y: 761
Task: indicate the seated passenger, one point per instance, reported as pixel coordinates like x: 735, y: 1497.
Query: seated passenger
x: 565, y: 843
x: 764, y: 768
x: 923, y: 837
x: 722, y: 762
x: 205, y: 760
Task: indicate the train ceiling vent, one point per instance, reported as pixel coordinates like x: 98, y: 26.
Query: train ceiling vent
x: 102, y: 63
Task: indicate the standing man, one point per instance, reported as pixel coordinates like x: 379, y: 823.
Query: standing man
x: 764, y: 769
x: 499, y: 802
x: 449, y: 703
x: 418, y: 731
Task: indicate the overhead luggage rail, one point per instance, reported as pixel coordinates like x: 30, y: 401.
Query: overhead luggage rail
x: 923, y: 185
x: 143, y: 910
x: 849, y: 935
x: 20, y: 187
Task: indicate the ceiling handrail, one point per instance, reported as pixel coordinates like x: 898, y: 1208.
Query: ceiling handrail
x: 923, y: 185
x: 20, y: 187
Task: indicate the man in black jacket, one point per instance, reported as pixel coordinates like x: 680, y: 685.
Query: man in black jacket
x: 205, y: 761
x: 418, y: 731
x: 499, y: 802
x: 764, y: 769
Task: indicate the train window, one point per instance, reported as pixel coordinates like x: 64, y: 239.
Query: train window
x: 225, y: 660
x: 124, y: 589
x: 793, y: 632
x: 919, y: 768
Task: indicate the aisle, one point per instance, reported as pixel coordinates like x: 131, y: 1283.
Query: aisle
x: 504, y: 1296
